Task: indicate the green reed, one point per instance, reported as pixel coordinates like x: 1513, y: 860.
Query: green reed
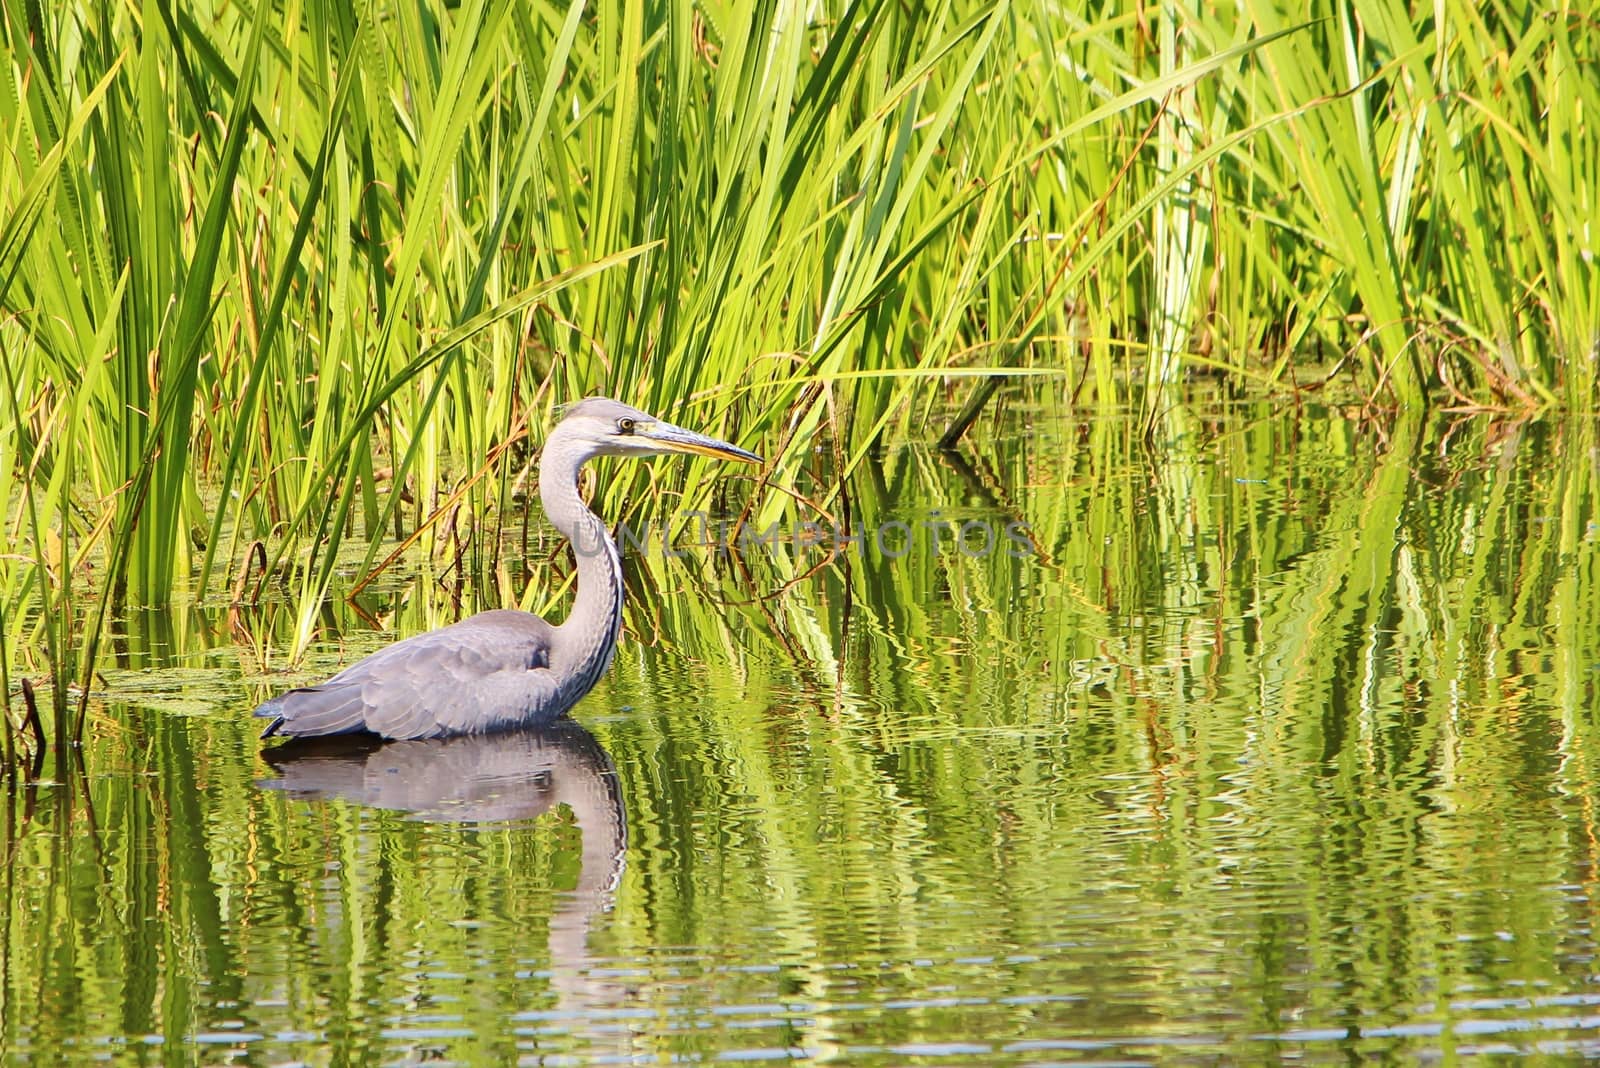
x: 315, y: 278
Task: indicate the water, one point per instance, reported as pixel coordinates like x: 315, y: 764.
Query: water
x: 1279, y: 742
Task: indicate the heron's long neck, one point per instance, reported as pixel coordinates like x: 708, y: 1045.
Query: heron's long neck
x: 589, y: 634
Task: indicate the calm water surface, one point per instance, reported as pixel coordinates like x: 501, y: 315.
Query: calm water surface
x: 1279, y: 742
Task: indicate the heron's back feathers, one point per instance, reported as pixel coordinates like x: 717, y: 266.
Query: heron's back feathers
x: 487, y: 672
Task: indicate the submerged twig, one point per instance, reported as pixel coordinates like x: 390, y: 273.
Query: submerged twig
x: 30, y: 707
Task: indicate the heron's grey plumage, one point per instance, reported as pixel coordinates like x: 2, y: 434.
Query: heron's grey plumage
x: 504, y: 668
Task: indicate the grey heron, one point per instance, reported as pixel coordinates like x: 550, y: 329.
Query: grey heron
x: 503, y: 668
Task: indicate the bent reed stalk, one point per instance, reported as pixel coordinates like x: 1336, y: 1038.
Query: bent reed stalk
x: 301, y: 280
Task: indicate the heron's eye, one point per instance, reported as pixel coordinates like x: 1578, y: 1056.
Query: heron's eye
x: 624, y: 425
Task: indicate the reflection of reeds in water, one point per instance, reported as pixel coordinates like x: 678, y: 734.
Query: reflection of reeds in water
x: 1258, y: 612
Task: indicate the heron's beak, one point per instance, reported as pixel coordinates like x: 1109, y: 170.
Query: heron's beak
x: 669, y: 438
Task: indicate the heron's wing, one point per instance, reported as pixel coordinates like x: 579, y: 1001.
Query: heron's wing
x: 314, y: 710
x: 487, y: 672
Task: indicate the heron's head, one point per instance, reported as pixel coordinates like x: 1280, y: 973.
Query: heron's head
x: 611, y: 428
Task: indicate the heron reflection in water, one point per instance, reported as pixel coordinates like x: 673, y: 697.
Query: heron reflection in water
x: 504, y: 668
x: 511, y: 777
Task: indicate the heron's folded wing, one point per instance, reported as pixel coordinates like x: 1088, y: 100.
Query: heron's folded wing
x: 331, y: 708
x: 460, y: 680
x: 484, y: 673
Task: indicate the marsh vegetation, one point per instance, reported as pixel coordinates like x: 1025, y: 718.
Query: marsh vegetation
x: 299, y: 286
x: 1275, y: 333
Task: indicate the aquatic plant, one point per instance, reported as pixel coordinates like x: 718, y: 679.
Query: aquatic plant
x: 313, y: 278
